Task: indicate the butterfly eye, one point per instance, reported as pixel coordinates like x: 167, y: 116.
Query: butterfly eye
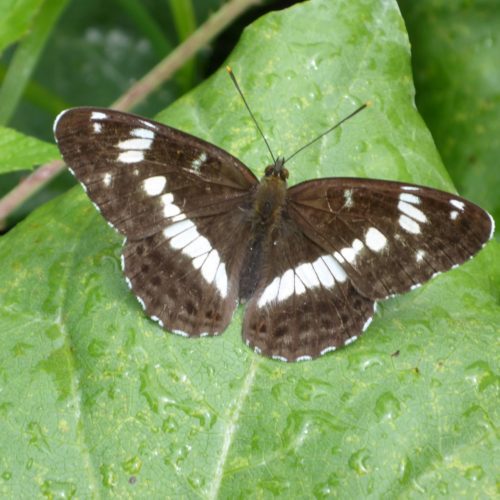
x: 269, y: 171
x: 284, y: 174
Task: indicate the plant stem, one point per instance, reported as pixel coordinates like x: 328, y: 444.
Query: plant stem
x: 164, y: 70
x: 137, y: 93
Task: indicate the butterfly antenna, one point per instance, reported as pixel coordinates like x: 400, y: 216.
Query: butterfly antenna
x: 338, y: 124
x: 233, y: 78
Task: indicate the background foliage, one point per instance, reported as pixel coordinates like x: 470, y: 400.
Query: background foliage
x: 97, y: 400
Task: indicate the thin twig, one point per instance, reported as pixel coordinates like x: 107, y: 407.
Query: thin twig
x: 137, y: 93
x: 28, y: 187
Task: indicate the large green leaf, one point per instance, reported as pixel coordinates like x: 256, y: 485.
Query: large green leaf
x: 98, y: 401
x: 455, y: 60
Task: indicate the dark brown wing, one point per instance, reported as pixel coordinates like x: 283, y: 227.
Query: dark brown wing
x: 389, y: 237
x: 305, y: 304
x: 176, y: 198
x: 142, y: 174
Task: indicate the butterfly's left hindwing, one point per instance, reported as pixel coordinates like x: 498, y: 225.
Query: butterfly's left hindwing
x: 305, y: 304
x: 177, y: 199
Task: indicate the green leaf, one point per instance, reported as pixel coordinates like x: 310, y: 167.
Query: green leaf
x: 455, y: 60
x: 16, y: 18
x: 26, y: 57
x: 100, y: 401
x: 20, y: 152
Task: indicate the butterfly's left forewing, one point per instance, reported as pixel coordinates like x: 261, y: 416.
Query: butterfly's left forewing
x: 389, y: 237
x: 177, y: 199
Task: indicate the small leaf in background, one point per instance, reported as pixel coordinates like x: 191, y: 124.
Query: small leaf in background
x: 100, y: 401
x: 16, y: 19
x: 455, y: 49
x: 20, y: 152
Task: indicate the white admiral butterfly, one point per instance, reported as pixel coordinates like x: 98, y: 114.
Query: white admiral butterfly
x: 202, y: 234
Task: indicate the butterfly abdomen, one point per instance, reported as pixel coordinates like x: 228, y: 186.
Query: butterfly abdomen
x: 265, y: 222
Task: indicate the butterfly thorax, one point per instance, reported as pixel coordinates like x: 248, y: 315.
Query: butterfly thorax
x: 270, y: 196
x: 266, y: 216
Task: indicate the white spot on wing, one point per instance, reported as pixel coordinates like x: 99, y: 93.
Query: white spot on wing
x: 375, y: 240
x: 409, y: 198
x: 412, y: 211
x: 409, y: 225
x: 270, y: 292
x: 419, y: 255
x: 458, y: 204
x: 349, y: 254
x: 221, y: 280
x: 180, y: 332
x: 177, y: 228
x: 279, y: 358
x: 351, y: 340
x: 327, y: 349
x: 97, y: 127
x: 143, y: 305
x: 169, y: 207
x: 199, y: 246
x: 184, y: 238
x: 154, y: 185
x: 339, y: 257
x: 336, y: 269
x: 142, y: 133
x: 198, y: 162
x: 410, y: 188
x: 307, y: 275
x: 179, y: 217
x: 106, y: 179
x: 357, y: 245
x: 98, y: 115
x: 299, y: 287
x: 209, y: 267
x: 367, y: 324
x: 134, y: 144
x: 453, y: 214
x: 198, y: 261
x: 131, y: 156
x: 149, y: 124
x: 304, y: 358
x: 286, y: 285
x: 324, y: 274
x: 348, y: 201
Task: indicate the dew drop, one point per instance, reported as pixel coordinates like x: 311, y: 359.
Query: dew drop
x: 132, y: 466
x: 387, y: 407
x: 474, y: 473
x: 328, y: 488
x: 358, y: 461
x: 58, y: 489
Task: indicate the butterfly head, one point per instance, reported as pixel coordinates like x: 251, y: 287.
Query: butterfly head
x: 277, y: 169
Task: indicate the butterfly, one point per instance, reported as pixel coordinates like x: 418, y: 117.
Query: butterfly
x: 204, y: 234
